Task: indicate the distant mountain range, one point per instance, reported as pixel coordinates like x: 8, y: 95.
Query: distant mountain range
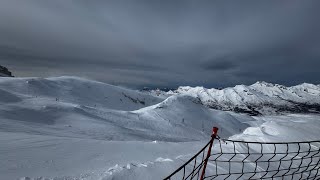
x: 256, y: 99
x: 261, y: 98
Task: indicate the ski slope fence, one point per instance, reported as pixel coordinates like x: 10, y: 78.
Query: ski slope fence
x: 232, y: 159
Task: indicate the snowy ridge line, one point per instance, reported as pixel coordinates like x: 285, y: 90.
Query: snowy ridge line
x: 261, y: 98
x: 81, y: 108
x: 234, y: 159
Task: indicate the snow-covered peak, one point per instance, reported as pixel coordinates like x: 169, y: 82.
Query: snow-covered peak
x: 306, y: 86
x: 258, y: 98
x: 263, y: 84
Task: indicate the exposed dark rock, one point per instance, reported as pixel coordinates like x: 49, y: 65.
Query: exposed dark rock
x: 134, y: 100
x: 4, y: 72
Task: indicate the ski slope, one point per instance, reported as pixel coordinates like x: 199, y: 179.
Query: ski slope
x: 74, y: 128
x: 73, y: 90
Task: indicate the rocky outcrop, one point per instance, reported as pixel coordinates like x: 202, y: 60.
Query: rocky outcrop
x: 4, y: 72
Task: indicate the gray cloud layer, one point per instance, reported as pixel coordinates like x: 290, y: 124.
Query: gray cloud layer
x: 163, y: 43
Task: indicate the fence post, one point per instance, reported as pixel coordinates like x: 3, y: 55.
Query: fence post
x: 214, y: 134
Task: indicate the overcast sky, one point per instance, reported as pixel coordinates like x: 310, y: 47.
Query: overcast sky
x: 164, y: 43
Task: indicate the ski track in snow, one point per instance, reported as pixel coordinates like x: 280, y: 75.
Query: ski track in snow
x: 71, y: 128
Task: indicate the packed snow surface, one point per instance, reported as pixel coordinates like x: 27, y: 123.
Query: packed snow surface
x: 73, y: 128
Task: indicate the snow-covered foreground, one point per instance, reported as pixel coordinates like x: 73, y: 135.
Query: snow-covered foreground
x: 71, y: 128
x: 36, y: 156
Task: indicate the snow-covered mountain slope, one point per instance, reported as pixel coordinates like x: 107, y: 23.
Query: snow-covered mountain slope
x: 73, y: 90
x: 186, y: 114
x: 179, y: 118
x: 47, y: 125
x: 73, y: 107
x: 259, y: 98
x: 72, y: 128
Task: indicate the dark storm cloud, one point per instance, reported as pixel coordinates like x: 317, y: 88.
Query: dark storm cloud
x: 163, y: 43
x: 220, y: 64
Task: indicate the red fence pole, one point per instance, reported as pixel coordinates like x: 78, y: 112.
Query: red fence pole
x: 214, y: 134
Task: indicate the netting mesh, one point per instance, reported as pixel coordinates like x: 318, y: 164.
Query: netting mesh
x: 192, y: 168
x: 253, y: 160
